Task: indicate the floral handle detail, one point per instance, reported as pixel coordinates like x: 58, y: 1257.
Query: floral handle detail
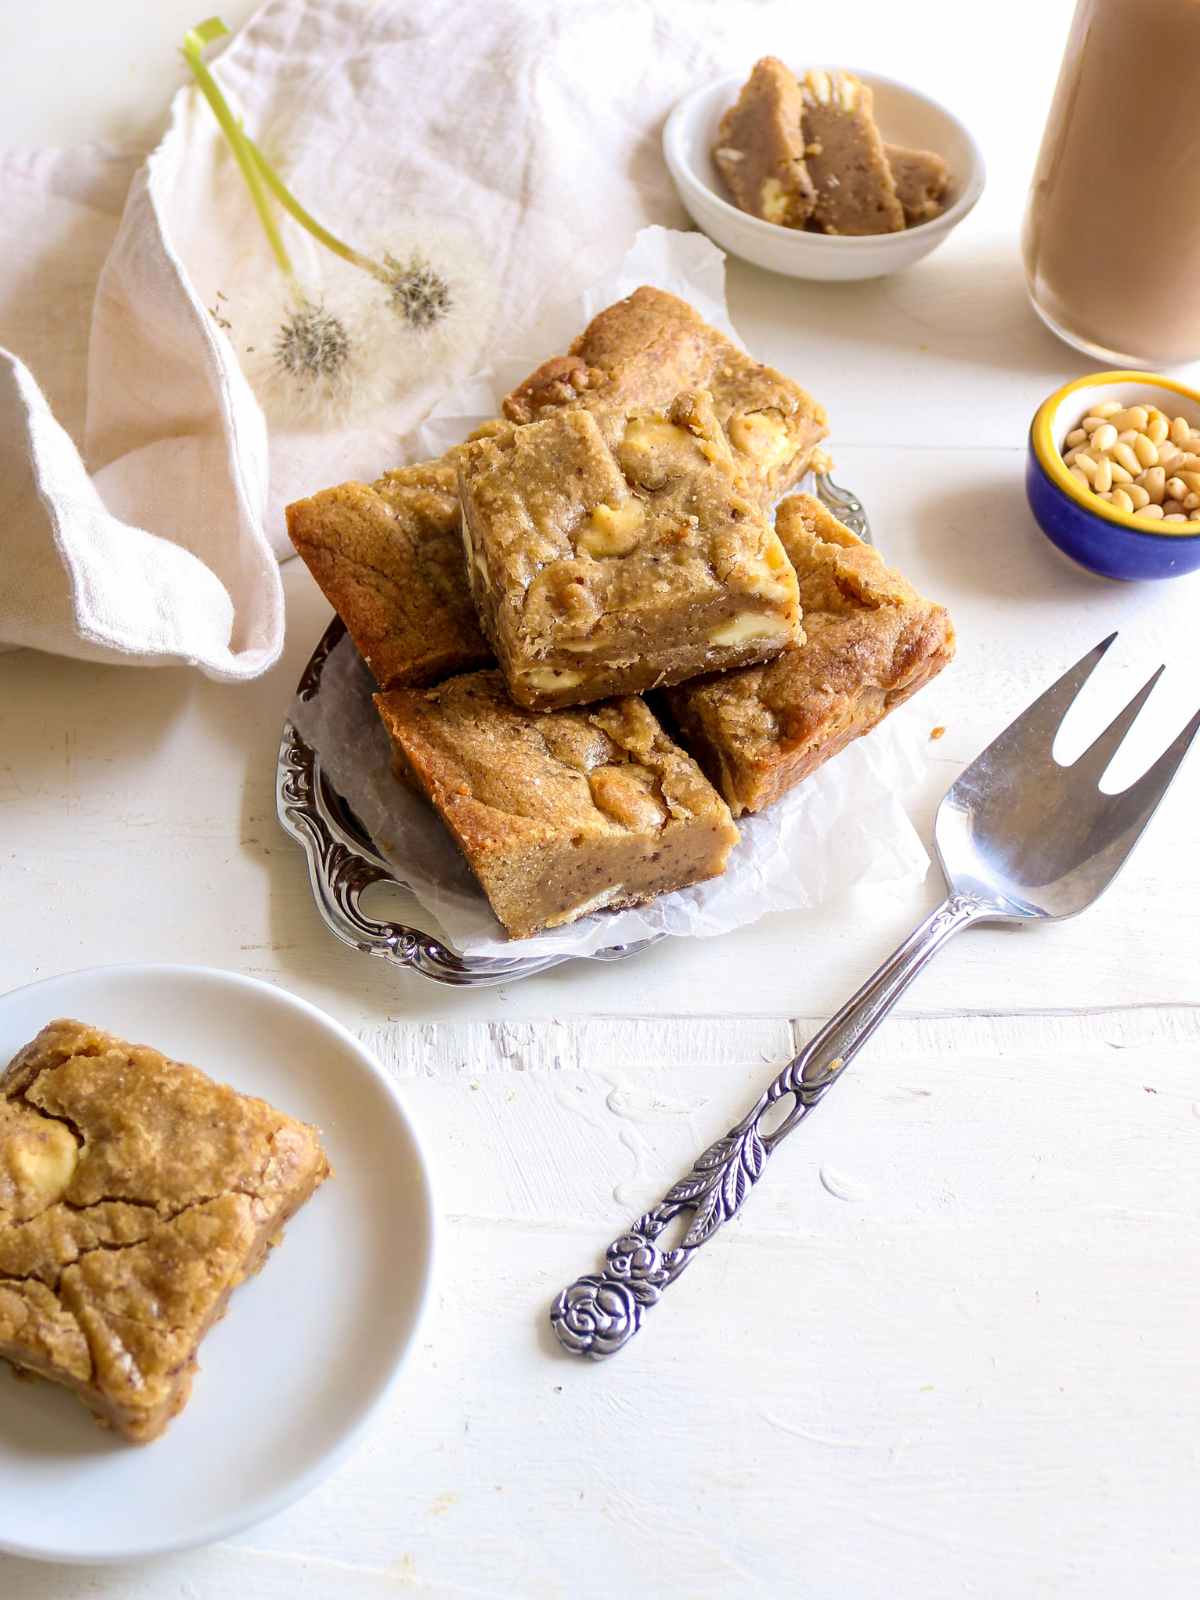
x: 599, y: 1313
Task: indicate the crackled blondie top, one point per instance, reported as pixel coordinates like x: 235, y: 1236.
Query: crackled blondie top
x: 644, y: 350
x: 558, y: 813
x: 388, y: 558
x: 760, y: 148
x: 856, y: 193
x: 135, y: 1194
x: 605, y: 565
x: 871, y: 642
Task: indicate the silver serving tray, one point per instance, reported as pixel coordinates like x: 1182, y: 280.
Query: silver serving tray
x: 343, y: 862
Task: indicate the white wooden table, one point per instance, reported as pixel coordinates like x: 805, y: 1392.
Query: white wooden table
x: 951, y: 1347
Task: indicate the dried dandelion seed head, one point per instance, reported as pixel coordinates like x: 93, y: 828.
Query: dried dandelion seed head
x: 419, y: 294
x: 311, y: 345
x: 311, y: 357
x: 437, y: 295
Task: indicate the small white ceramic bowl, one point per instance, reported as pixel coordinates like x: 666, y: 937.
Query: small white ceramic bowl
x: 905, y: 117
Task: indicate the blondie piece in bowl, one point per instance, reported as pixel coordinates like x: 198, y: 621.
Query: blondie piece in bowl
x: 871, y: 642
x: 135, y: 1195
x: 558, y: 813
x: 643, y: 351
x: 760, y: 148
x: 388, y: 558
x: 856, y: 193
x: 605, y: 566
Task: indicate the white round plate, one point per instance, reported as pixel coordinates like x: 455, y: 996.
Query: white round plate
x: 306, y: 1350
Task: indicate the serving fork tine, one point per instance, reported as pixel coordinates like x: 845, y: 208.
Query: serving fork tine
x: 1020, y: 838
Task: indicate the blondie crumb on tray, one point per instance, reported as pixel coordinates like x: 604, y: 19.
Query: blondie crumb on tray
x: 871, y: 642
x: 608, y: 565
x: 558, y: 813
x: 135, y: 1195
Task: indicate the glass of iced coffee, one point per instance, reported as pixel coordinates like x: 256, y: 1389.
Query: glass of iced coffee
x: 1112, y: 230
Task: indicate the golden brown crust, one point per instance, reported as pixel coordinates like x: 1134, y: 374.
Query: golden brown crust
x: 152, y: 1194
x: 872, y: 641
x: 388, y: 558
x: 760, y: 148
x: 646, y: 349
x: 559, y: 812
x: 608, y: 561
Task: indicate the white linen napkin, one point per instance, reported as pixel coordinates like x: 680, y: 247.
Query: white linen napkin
x: 141, y: 494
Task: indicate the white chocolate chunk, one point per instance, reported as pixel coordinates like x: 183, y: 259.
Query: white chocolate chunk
x: 547, y: 679
x: 745, y: 626
x: 612, y: 530
x: 761, y: 434
x: 37, y: 1164
x: 772, y: 200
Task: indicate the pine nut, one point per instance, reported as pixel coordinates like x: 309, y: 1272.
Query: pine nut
x: 1145, y: 451
x: 1102, y: 477
x: 1124, y: 454
x: 1194, y: 516
x: 1151, y: 511
x: 1172, y: 508
x: 1188, y: 462
x: 1137, y: 417
x: 1191, y: 502
x: 1191, y: 480
x: 1108, y: 409
x: 1079, y: 436
x: 1157, y: 429
x: 1122, y: 501
x: 1104, y: 437
x: 1120, y: 475
x: 1168, y: 454
x: 1127, y: 436
x: 1180, y: 430
x: 1175, y: 516
x: 1176, y: 488
x: 1077, y: 472
x: 1154, y: 481
x: 1086, y: 464
x: 1091, y: 423
x: 1139, y: 496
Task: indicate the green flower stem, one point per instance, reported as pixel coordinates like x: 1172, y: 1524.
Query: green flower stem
x: 306, y: 220
x: 193, y: 53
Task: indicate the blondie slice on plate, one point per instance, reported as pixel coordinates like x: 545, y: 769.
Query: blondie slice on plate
x: 558, y: 813
x: 135, y: 1195
x: 604, y: 566
x: 871, y: 642
x: 644, y: 350
x: 760, y: 148
x: 388, y: 557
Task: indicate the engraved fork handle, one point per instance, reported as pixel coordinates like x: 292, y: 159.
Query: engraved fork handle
x: 600, y: 1312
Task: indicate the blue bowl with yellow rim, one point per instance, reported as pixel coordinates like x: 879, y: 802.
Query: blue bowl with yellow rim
x: 1100, y: 536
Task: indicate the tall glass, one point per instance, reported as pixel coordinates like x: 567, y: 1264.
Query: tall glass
x: 1112, y: 230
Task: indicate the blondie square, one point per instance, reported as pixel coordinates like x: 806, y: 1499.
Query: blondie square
x: 558, y: 813
x: 643, y: 351
x: 135, y: 1195
x: 856, y: 193
x: 922, y: 179
x: 871, y: 642
x: 760, y: 148
x: 605, y: 568
x: 388, y: 558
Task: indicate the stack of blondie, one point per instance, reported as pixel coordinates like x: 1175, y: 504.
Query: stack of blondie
x: 595, y: 644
